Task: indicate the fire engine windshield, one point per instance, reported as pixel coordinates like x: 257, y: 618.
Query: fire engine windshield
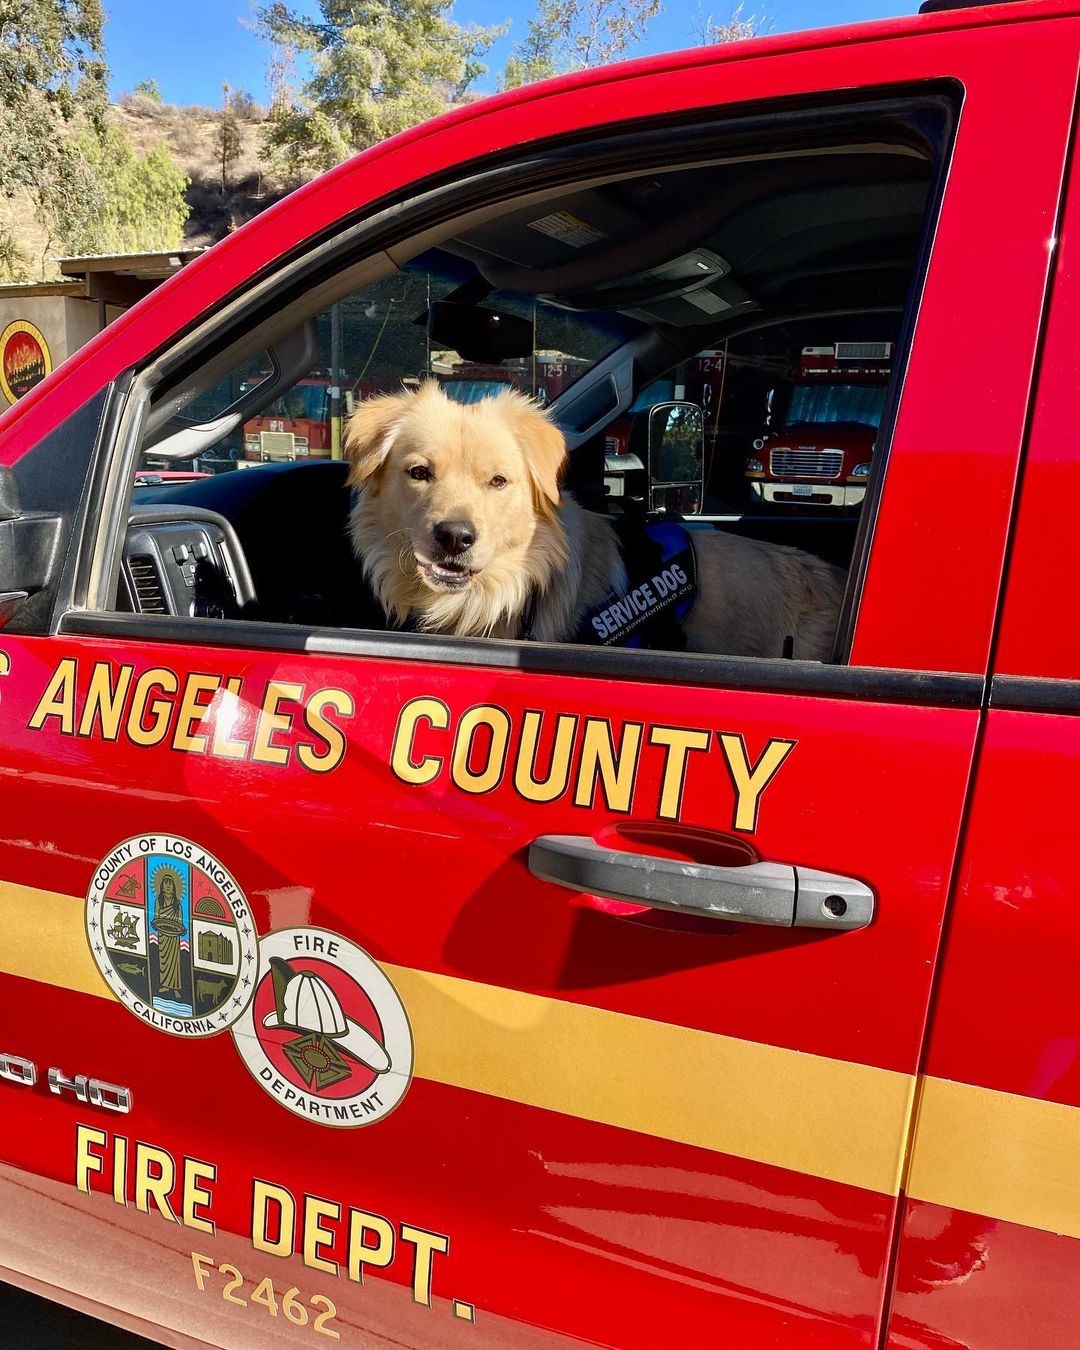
x: 824, y: 404
x: 302, y: 401
x: 471, y: 391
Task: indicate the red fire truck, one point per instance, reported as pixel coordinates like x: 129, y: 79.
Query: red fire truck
x: 295, y: 426
x: 403, y: 989
x: 818, y: 450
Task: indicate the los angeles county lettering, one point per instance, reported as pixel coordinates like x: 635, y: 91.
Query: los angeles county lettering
x: 275, y: 722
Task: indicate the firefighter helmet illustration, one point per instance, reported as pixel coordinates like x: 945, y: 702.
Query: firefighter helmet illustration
x: 172, y: 934
x: 326, y: 1034
x: 305, y: 1003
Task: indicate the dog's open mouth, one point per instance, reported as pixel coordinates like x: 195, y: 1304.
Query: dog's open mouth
x: 449, y: 575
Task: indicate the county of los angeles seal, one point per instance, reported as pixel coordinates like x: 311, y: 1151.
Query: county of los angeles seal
x: 326, y: 1035
x: 172, y: 934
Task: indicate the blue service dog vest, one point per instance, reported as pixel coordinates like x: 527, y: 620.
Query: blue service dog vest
x: 661, y: 584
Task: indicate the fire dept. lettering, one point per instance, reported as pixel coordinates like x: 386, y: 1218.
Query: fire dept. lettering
x: 327, y: 1235
x: 198, y: 714
x: 624, y: 767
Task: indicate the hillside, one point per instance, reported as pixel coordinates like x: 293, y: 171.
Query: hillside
x: 193, y: 135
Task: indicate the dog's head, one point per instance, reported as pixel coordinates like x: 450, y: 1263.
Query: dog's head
x: 462, y: 490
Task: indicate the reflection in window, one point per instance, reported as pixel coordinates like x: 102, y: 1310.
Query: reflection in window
x: 818, y: 404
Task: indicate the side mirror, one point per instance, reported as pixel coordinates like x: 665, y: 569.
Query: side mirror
x: 485, y: 336
x: 168, y: 435
x: 676, y: 458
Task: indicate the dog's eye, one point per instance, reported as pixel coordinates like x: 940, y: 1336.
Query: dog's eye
x: 420, y: 473
x: 498, y: 481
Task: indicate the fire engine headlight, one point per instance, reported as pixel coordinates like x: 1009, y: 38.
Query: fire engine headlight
x: 861, y: 471
x: 759, y: 444
x: 754, y: 466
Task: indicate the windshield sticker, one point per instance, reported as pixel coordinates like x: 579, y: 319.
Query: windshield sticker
x: 172, y: 934
x: 326, y: 1034
x: 568, y: 229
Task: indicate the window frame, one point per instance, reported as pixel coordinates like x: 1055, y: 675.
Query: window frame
x: 623, y: 149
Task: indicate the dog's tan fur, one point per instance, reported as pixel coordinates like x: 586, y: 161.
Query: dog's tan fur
x: 534, y: 542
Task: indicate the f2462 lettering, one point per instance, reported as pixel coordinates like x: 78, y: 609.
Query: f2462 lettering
x: 317, y: 1312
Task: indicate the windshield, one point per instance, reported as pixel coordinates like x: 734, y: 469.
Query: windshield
x: 820, y: 404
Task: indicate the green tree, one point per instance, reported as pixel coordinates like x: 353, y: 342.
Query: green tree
x: 244, y: 106
x: 14, y: 264
x: 597, y: 32
x: 536, y: 56
x: 149, y: 89
x: 577, y: 35
x: 228, y: 135
x: 377, y: 67
x: 110, y: 199
x: 737, y: 27
x: 52, y: 75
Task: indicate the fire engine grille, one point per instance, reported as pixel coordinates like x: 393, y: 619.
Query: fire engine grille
x: 277, y: 444
x: 147, y: 583
x: 785, y: 462
x: 863, y: 351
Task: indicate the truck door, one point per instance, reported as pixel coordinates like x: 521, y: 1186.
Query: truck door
x: 989, y: 1253
x: 331, y: 1026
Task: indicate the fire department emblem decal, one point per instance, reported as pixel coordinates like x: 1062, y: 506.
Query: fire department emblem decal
x: 326, y: 1034
x: 171, y: 932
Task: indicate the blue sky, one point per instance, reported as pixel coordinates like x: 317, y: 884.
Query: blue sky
x: 190, y: 47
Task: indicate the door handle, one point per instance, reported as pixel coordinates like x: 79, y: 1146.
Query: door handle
x: 764, y: 892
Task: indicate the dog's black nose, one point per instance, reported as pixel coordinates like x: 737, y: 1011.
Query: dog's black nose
x: 455, y: 536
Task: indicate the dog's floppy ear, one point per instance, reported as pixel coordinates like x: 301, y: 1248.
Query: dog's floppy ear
x: 544, y: 448
x: 371, y: 434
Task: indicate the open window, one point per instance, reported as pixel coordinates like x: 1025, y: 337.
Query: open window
x: 719, y: 329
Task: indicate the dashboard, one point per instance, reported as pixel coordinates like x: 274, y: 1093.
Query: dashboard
x: 268, y: 543
x: 186, y: 562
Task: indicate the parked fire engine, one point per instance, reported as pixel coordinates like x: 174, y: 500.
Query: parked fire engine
x: 295, y: 426
x: 819, y: 448
x: 544, y: 375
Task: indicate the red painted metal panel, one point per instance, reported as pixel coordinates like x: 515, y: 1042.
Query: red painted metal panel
x: 560, y: 1223
x: 554, y: 1223
x: 872, y: 790
x: 952, y: 465
x: 1006, y: 1017
x: 1034, y: 639
x: 590, y: 1231
x: 964, y: 1281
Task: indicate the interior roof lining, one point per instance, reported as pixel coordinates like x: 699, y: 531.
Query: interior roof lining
x: 341, y: 283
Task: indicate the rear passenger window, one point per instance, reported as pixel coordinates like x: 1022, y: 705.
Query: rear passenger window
x: 719, y: 343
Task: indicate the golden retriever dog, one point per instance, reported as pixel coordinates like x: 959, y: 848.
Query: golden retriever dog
x: 462, y: 528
